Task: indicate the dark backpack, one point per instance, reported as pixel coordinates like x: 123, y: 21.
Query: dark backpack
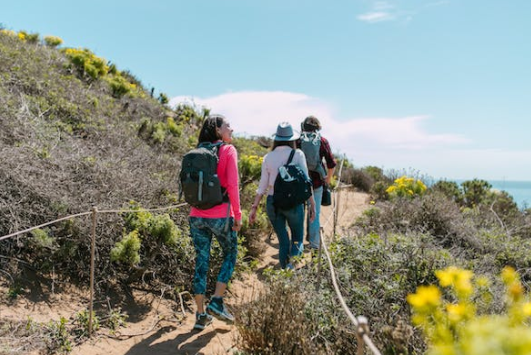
x: 199, y: 179
x: 311, y: 146
x: 292, y: 186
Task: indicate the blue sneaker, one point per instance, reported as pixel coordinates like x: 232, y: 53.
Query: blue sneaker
x: 202, y: 320
x: 217, y: 308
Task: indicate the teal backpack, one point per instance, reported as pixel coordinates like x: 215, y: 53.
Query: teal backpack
x: 311, y: 145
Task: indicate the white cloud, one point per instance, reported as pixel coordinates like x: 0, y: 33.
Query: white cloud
x: 382, y: 141
x: 376, y: 16
x: 400, y: 143
x: 381, y: 11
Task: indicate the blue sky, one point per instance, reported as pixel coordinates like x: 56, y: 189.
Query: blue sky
x: 439, y: 87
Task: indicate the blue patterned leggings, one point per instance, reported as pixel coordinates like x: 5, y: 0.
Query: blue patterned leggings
x: 201, y: 231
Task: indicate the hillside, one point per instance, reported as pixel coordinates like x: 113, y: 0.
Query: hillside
x: 72, y: 138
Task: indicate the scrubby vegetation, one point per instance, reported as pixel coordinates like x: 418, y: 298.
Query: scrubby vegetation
x: 77, y: 133
x: 404, y: 241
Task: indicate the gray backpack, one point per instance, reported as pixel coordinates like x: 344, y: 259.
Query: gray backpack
x: 311, y: 145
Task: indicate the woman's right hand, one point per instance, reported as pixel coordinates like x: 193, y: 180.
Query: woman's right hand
x: 252, y: 215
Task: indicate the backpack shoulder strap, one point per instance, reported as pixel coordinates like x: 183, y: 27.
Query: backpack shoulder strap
x: 291, y: 156
x: 215, y: 147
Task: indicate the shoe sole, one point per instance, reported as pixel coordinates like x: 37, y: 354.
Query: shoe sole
x: 201, y: 327
x: 220, y: 316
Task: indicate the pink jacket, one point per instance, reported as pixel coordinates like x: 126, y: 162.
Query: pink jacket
x: 228, y: 177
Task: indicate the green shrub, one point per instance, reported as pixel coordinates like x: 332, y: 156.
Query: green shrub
x: 475, y: 191
x: 448, y: 188
x: 87, y: 63
x: 52, y: 41
x: 42, y: 239
x: 250, y: 168
x: 81, y: 322
x: 126, y: 250
x: 119, y: 86
x: 59, y: 337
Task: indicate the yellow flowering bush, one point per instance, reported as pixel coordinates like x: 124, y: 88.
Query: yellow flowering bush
x: 87, y: 62
x: 455, y: 327
x: 53, y: 41
x: 250, y: 167
x: 406, y: 187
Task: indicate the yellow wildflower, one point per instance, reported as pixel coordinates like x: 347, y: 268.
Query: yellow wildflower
x: 515, y: 291
x: 526, y: 309
x: 456, y: 312
x: 426, y: 296
x: 509, y: 275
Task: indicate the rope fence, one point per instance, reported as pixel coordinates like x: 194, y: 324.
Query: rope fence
x: 94, y: 214
x: 360, y: 322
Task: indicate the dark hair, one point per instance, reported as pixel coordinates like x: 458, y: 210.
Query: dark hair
x: 209, y: 132
x: 281, y: 143
x: 311, y: 124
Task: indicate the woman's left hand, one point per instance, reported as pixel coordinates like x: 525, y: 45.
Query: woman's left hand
x: 312, y: 211
x: 237, y: 225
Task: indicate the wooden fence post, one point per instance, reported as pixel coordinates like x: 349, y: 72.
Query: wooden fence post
x: 92, y: 253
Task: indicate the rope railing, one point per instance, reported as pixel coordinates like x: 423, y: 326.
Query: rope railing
x: 360, y: 322
x: 94, y: 214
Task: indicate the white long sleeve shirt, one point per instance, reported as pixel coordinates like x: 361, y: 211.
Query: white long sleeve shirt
x: 274, y: 160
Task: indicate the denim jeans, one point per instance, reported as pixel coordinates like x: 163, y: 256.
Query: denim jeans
x: 294, y: 218
x: 201, y: 231
x: 313, y: 227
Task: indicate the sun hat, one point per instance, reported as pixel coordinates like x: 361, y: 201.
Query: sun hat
x: 285, y: 132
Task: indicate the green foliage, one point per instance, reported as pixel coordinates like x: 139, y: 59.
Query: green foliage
x: 87, y: 63
x: 41, y: 238
x: 375, y: 172
x: 250, y: 168
x: 160, y: 228
x: 448, y: 188
x: 59, y: 337
x: 174, y: 128
x: 191, y: 114
x: 14, y: 291
x: 81, y: 322
x: 126, y: 250
x: 53, y: 41
x: 475, y: 192
x: 115, y: 320
x: 28, y: 37
x: 119, y: 85
x: 379, y: 191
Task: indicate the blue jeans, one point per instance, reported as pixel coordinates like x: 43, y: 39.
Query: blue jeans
x: 201, y: 231
x: 313, y: 227
x: 295, y: 220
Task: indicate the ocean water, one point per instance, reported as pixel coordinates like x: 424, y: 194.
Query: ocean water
x: 519, y: 190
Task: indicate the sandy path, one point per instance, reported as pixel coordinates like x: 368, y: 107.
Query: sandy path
x: 159, y: 326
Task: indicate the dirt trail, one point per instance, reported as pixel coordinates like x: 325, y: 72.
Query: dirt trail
x: 157, y: 325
